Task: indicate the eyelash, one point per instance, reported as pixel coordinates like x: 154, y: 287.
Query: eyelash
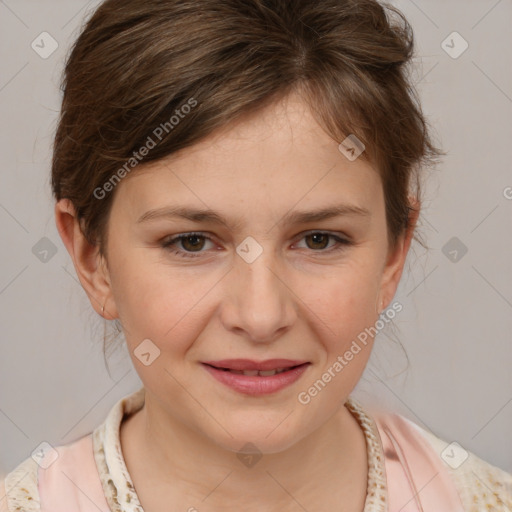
x: 169, y: 243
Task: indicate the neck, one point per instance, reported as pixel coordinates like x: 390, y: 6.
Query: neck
x: 171, y: 463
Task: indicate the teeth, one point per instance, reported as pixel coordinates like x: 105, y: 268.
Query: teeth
x: 260, y: 373
x: 268, y: 373
x: 251, y: 373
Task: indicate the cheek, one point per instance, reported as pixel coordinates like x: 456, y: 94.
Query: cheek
x: 345, y: 302
x: 348, y: 310
x: 158, y: 303
x: 343, y: 311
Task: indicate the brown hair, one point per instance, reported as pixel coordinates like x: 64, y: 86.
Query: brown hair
x: 137, y: 63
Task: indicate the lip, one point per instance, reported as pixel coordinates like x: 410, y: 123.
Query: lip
x: 249, y: 364
x: 256, y: 385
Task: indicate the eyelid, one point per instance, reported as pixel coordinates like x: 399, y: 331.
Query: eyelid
x: 173, y: 239
x: 207, y: 236
x: 342, y: 240
x: 168, y: 243
x: 324, y: 232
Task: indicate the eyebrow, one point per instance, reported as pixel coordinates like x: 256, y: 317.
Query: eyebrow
x: 293, y: 217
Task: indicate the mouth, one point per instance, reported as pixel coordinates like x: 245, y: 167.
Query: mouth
x: 258, y: 373
x: 256, y: 378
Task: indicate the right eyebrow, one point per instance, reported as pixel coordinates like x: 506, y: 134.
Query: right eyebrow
x: 293, y: 217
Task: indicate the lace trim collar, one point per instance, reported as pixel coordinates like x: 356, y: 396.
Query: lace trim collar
x: 118, y: 486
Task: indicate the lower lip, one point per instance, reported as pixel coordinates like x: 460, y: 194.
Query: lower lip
x: 255, y: 385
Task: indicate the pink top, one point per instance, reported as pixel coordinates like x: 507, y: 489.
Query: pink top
x: 406, y: 472
x: 73, y: 481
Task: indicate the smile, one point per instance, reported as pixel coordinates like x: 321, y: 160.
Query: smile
x: 257, y: 382
x: 260, y: 373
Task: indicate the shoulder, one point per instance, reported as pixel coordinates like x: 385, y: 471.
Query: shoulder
x: 480, y: 484
x: 50, y: 479
x: 19, y: 488
x: 45, y: 480
x: 3, y: 497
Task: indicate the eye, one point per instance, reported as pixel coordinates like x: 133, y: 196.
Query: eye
x: 319, y: 240
x: 192, y: 243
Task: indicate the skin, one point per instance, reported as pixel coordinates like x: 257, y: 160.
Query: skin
x: 299, y: 299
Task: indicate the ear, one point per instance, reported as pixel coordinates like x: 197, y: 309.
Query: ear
x: 90, y: 266
x: 396, y: 258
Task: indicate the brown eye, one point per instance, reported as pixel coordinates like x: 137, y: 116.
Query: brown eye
x: 319, y: 241
x: 190, y: 242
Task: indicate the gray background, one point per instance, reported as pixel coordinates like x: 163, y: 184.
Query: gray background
x: 456, y: 323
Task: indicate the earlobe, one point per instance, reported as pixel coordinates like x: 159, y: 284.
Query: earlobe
x: 90, y: 266
x: 379, y: 305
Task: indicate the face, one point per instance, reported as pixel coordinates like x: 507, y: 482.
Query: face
x: 260, y: 284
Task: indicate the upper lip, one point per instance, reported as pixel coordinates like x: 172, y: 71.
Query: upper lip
x: 249, y: 364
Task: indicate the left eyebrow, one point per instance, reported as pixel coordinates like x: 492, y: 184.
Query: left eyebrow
x: 293, y: 217
x: 303, y: 217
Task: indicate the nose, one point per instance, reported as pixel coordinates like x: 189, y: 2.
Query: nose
x: 259, y: 303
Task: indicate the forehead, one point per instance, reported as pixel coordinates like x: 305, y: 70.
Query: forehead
x: 276, y: 157
x: 286, y: 129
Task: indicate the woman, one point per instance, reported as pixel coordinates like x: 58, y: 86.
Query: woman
x: 237, y: 184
